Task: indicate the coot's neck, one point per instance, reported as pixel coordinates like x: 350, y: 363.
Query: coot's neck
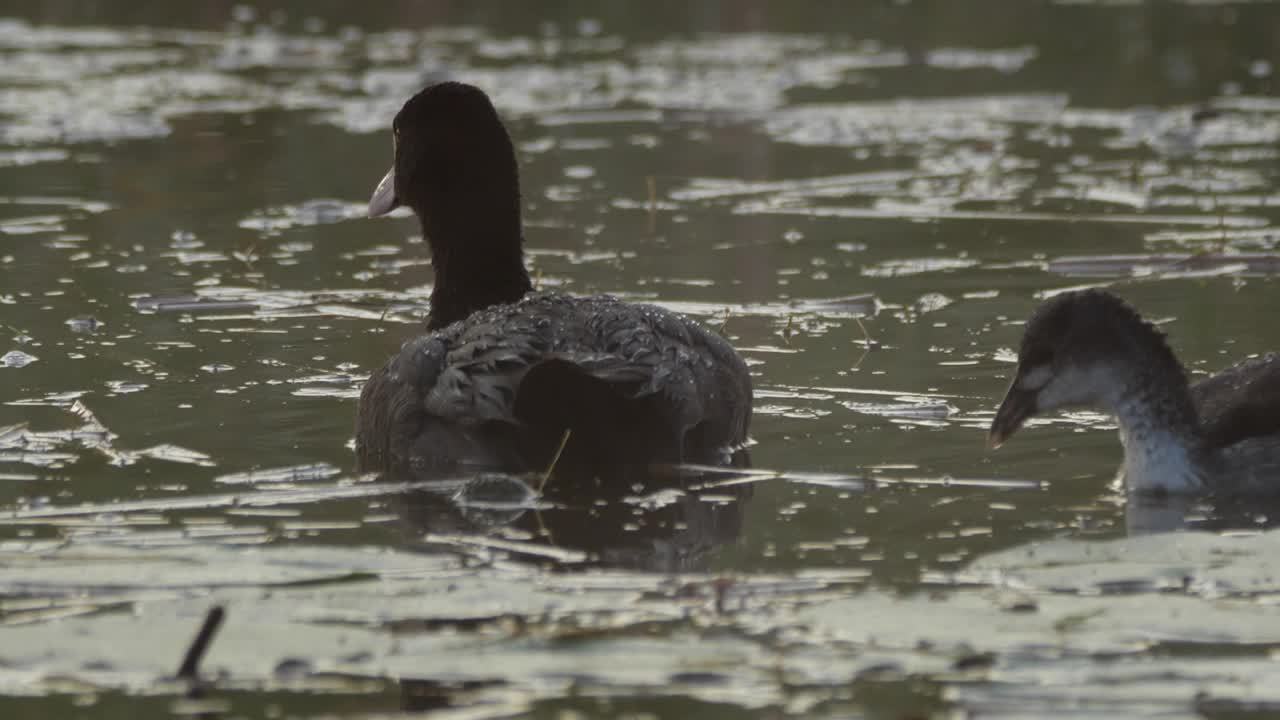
x: 1160, y: 430
x: 478, y: 259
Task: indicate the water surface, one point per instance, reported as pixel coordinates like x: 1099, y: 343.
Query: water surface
x: 866, y: 201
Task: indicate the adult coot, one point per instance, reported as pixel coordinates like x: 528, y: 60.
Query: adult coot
x: 502, y: 371
x: 1091, y: 349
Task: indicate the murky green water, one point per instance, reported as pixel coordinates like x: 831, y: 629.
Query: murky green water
x: 867, y: 200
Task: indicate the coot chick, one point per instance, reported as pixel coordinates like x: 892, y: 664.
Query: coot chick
x: 503, y: 371
x: 1091, y: 349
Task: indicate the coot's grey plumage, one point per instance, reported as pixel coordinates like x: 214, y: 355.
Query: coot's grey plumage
x: 502, y: 371
x: 1091, y: 349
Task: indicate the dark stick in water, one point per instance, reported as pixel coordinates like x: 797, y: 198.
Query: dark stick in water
x: 195, y: 653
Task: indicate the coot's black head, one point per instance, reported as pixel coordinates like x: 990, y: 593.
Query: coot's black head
x: 450, y: 146
x: 1082, y: 349
x: 455, y: 167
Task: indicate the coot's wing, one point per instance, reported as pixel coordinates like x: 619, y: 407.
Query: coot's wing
x: 1240, y: 402
x: 1252, y: 467
x: 686, y: 374
x: 693, y: 374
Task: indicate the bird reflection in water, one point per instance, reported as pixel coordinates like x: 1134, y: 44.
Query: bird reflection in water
x: 1148, y: 513
x: 658, y: 518
x: 586, y: 512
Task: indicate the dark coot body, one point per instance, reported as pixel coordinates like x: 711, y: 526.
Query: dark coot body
x: 503, y: 371
x: 1091, y: 349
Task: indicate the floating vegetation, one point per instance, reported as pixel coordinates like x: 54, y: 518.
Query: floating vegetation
x: 17, y: 359
x: 1168, y: 265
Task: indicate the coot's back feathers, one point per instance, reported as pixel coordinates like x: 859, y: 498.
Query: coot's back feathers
x: 1240, y: 402
x: 499, y: 388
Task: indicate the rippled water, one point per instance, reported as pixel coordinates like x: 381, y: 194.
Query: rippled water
x: 867, y: 200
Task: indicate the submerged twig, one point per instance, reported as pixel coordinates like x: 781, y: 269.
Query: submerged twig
x: 554, y: 459
x: 543, y: 530
x: 866, y: 336
x: 248, y: 256
x: 721, y: 587
x: 651, y: 183
x: 1223, y: 240
x: 191, y: 662
x: 868, y: 343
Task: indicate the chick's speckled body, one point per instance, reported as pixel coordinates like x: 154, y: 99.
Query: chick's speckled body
x: 1091, y: 349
